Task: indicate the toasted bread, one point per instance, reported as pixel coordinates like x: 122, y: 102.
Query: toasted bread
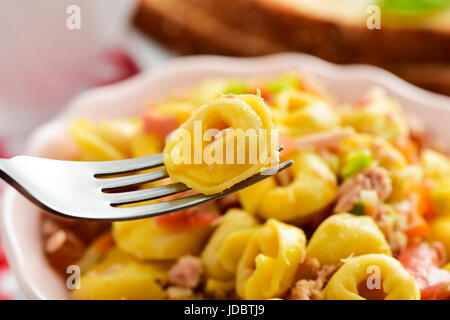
x: 318, y: 27
x: 418, y: 52
x: 187, y: 29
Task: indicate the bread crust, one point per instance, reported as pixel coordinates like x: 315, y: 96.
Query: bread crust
x: 336, y: 42
x: 169, y: 22
x: 259, y: 27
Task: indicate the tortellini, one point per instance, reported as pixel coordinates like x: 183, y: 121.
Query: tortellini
x: 223, y: 250
x: 146, y: 239
x: 298, y: 113
x: 440, y: 231
x: 314, y: 187
x: 365, y: 158
x: 146, y: 144
x: 405, y: 181
x: 372, y: 277
x: 382, y: 152
x: 270, y: 260
x: 232, y: 155
x: 344, y: 235
x: 92, y: 144
x: 436, y: 166
x: 377, y: 115
x: 120, y: 277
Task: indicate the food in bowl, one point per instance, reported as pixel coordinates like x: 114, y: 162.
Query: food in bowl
x: 362, y: 214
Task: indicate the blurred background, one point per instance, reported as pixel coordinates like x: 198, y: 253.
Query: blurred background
x: 51, y: 50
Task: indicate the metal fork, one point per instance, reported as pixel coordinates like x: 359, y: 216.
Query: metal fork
x: 92, y: 190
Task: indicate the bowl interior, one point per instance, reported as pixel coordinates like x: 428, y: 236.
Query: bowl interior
x: 20, y: 221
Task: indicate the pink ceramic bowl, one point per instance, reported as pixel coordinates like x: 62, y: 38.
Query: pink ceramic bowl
x: 20, y: 219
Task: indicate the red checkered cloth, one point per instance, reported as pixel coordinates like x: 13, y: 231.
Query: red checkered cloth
x: 121, y: 66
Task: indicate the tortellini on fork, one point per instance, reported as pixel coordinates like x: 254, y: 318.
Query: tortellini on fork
x: 222, y: 143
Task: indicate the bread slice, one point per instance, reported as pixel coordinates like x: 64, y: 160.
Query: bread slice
x: 259, y: 27
x: 337, y: 32
x: 187, y: 29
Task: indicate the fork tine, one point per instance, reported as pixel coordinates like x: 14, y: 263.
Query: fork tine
x: 106, y: 168
x: 156, y: 209
x: 147, y: 194
x: 109, y: 184
x: 103, y: 168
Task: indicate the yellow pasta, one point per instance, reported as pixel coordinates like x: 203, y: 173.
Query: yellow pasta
x: 93, y: 146
x: 313, y: 187
x: 145, y: 239
x: 146, y: 144
x: 405, y: 181
x: 379, y: 115
x: 268, y: 265
x: 436, y: 166
x: 225, y: 247
x: 218, y: 289
x: 121, y: 277
x: 298, y: 113
x: 120, y: 133
x: 383, y: 153
x: 372, y: 276
x: 217, y: 134
x: 440, y: 195
x: 344, y: 235
x: 440, y: 231
x: 211, y: 167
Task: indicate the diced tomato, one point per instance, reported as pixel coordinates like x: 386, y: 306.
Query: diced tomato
x: 266, y: 95
x: 157, y: 124
x: 422, y: 210
x: 104, y: 242
x: 417, y: 227
x: 364, y: 102
x: 189, y: 218
x: 423, y: 261
x: 425, y: 205
x: 440, y: 291
x: 408, y: 148
x: 288, y: 143
x: 200, y: 216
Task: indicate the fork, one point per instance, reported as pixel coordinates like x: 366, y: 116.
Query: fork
x: 96, y: 191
